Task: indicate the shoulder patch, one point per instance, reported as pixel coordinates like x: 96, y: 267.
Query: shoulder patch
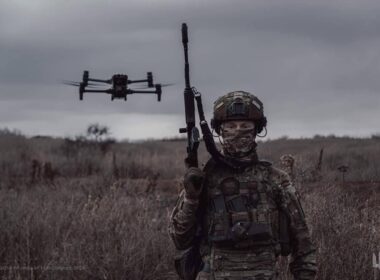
x: 280, y: 177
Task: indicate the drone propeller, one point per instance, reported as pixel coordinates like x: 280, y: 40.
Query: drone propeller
x: 100, y: 81
x: 162, y: 85
x: 78, y: 84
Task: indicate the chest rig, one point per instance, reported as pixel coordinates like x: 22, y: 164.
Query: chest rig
x: 242, y: 210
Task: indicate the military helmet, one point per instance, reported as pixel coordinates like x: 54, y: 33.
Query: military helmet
x: 238, y: 105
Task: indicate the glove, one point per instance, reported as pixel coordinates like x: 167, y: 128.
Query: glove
x: 193, y: 182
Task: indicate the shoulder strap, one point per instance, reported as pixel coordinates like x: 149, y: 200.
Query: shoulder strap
x: 209, y: 166
x: 265, y: 163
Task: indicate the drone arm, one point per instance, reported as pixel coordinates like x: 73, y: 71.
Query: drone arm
x: 137, y: 81
x: 98, y: 90
x: 141, y: 91
x: 157, y: 91
x: 100, y: 81
x: 149, y: 80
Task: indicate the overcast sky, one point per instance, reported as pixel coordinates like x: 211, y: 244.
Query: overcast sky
x: 314, y: 64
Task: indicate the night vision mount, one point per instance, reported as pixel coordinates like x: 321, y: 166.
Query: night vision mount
x: 119, y: 86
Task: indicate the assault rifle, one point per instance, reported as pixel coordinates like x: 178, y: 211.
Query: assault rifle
x: 192, y: 131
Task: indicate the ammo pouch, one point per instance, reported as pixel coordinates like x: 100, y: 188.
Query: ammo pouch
x: 256, y: 232
x: 188, y: 262
x: 243, y: 231
x: 230, y: 228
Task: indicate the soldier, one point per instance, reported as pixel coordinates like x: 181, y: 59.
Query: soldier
x: 240, y: 220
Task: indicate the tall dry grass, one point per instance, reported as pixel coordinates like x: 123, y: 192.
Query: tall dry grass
x: 95, y: 220
x: 84, y: 229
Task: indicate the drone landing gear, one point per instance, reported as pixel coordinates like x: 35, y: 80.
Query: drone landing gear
x: 158, y: 91
x: 81, y: 91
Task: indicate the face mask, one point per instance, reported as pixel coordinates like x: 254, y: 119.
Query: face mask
x: 238, y: 142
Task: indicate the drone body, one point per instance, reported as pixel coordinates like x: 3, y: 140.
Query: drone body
x: 119, y: 86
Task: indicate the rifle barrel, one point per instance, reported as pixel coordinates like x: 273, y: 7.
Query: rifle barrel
x: 185, y: 40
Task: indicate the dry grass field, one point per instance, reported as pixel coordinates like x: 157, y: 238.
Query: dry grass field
x: 81, y: 210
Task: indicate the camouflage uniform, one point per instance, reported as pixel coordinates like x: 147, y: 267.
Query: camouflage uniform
x: 237, y: 220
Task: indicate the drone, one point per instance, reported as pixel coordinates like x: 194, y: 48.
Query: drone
x: 119, y: 86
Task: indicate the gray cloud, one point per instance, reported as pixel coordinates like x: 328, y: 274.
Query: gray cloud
x: 311, y: 62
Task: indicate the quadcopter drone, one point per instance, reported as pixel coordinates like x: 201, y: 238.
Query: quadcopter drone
x: 119, y: 86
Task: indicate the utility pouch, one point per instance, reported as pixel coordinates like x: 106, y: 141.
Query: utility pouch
x: 219, y: 230
x: 236, y: 204
x: 260, y: 232
x: 239, y: 231
x: 241, y: 222
x: 245, y: 230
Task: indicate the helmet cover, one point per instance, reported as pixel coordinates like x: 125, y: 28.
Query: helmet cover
x: 238, y: 105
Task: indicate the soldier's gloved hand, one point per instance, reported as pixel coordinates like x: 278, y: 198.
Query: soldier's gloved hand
x: 193, y: 181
